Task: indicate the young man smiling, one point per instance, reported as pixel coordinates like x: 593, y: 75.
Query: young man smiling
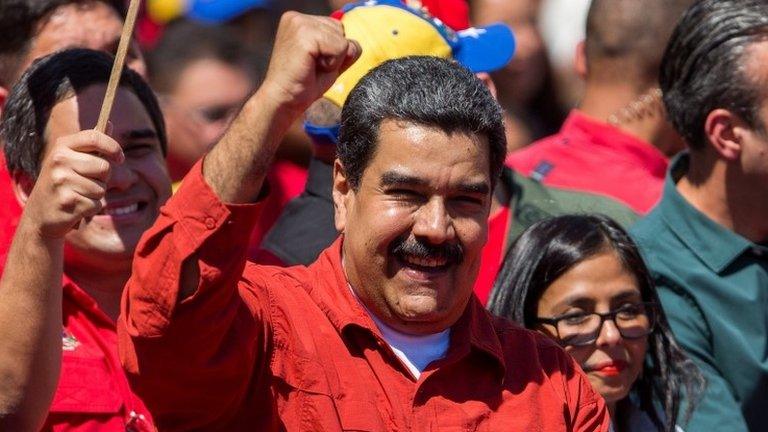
x: 87, y: 200
x: 382, y: 331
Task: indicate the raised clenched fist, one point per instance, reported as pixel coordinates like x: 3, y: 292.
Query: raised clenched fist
x: 310, y: 52
x: 72, y: 183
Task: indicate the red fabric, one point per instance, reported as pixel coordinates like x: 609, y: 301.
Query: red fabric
x: 493, y: 254
x: 454, y: 13
x: 10, y: 212
x: 592, y: 156
x: 267, y: 348
x: 93, y: 393
x: 286, y: 181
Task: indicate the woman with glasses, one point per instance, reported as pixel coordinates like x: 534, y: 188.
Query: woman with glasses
x: 580, y: 280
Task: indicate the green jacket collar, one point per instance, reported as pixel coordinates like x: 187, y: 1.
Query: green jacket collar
x: 716, y: 246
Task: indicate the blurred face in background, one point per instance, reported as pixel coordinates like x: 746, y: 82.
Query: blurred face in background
x: 92, y: 24
x: 199, y: 109
x: 524, y: 75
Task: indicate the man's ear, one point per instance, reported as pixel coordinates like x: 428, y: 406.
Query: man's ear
x: 342, y: 196
x: 725, y: 132
x: 580, y: 61
x: 485, y: 77
x: 22, y: 186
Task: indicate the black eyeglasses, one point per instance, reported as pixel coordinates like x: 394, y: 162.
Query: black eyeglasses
x: 633, y: 321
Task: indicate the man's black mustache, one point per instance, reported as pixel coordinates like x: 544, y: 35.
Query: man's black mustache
x: 452, y: 253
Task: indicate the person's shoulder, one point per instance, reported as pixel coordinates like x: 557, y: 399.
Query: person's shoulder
x: 529, y: 156
x: 561, y: 201
x: 646, y: 228
x: 656, y: 242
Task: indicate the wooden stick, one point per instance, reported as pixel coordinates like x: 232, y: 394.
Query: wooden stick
x: 117, y: 67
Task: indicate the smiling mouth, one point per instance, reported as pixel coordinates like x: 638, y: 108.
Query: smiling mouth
x: 427, y: 263
x: 424, y: 265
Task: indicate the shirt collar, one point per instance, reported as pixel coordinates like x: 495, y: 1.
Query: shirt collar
x: 84, y: 302
x: 716, y: 246
x: 607, y: 136
x: 474, y: 331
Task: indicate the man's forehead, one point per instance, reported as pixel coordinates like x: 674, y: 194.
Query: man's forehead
x: 93, y: 25
x: 128, y: 111
x: 81, y: 112
x: 409, y: 150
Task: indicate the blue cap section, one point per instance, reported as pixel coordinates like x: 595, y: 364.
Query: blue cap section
x: 485, y: 49
x: 322, y: 135
x: 217, y: 11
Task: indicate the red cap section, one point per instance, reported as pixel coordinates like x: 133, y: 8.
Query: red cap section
x: 454, y: 13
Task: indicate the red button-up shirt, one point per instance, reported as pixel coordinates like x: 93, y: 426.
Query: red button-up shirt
x: 262, y: 348
x: 93, y: 393
x: 591, y: 156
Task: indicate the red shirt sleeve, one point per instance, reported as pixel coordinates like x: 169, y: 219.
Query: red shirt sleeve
x: 208, y: 349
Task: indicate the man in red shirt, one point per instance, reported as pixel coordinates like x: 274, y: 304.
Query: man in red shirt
x: 382, y: 332
x: 88, y: 198
x: 618, y: 141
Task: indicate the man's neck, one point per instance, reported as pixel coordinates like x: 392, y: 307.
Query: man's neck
x: 725, y: 196
x: 105, y: 287
x: 616, y: 104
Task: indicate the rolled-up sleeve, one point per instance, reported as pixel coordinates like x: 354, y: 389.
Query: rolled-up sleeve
x: 192, y: 361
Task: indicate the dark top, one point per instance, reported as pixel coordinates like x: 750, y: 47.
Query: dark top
x: 306, y: 227
x: 713, y: 285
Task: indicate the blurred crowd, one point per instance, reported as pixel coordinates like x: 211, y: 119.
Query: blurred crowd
x: 385, y: 215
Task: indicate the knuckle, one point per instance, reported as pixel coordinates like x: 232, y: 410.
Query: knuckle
x: 290, y: 17
x: 68, y: 201
x: 58, y: 158
x: 59, y: 177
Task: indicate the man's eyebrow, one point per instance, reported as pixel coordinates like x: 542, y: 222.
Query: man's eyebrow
x: 480, y: 188
x: 137, y: 134
x: 394, y: 178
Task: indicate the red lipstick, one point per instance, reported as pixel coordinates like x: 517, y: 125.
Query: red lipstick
x: 608, y: 368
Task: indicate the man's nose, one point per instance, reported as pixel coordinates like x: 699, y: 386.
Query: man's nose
x: 434, y: 223
x: 122, y: 177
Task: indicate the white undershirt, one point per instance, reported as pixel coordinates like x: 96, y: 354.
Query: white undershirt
x: 416, y: 352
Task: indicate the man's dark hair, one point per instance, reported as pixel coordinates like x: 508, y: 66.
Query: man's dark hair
x: 47, y: 82
x: 18, y: 22
x: 703, y: 66
x: 625, y: 39
x: 427, y: 91
x: 184, y: 42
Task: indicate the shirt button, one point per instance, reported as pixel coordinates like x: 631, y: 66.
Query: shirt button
x: 210, y: 223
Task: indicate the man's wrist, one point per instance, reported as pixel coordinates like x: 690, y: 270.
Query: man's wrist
x: 279, y: 100
x: 35, y: 233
